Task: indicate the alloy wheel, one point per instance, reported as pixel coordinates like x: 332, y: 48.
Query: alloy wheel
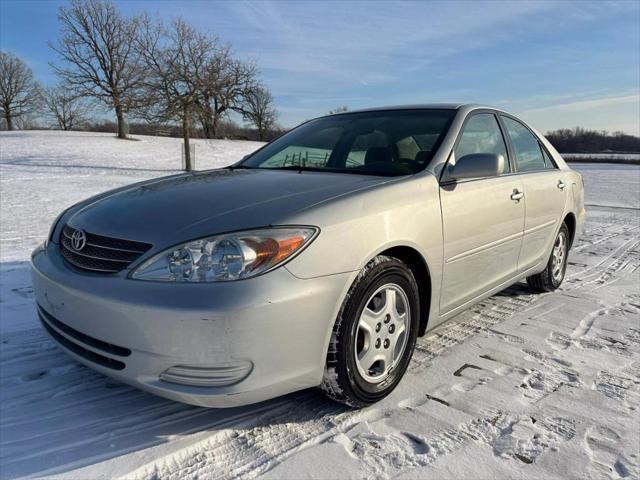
x: 382, y: 332
x: 559, y: 257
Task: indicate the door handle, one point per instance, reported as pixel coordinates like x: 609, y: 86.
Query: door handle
x: 516, y: 196
x: 561, y: 185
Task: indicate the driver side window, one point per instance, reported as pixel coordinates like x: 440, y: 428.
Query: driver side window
x: 482, y: 134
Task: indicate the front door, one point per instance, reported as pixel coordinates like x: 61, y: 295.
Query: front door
x: 483, y: 220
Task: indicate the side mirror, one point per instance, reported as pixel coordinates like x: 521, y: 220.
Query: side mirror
x: 477, y: 165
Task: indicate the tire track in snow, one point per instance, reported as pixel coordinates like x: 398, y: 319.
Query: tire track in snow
x: 620, y: 263
x: 485, y: 315
x: 209, y: 459
x: 605, y: 238
x: 249, y: 443
x: 516, y: 436
x: 621, y: 251
x: 501, y: 307
x: 581, y: 335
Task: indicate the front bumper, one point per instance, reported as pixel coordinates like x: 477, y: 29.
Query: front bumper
x: 277, y: 324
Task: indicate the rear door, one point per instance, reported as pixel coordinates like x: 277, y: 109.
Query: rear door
x: 483, y: 219
x: 545, y: 192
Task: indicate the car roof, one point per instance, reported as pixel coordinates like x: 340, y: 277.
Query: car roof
x: 439, y: 106
x: 423, y: 106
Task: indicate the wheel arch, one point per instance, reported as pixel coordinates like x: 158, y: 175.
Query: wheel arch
x: 570, y: 221
x: 420, y: 269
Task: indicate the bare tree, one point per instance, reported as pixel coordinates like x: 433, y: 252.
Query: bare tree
x: 225, y: 84
x: 175, y: 59
x: 97, y: 46
x: 18, y: 90
x: 67, y: 109
x: 28, y: 121
x: 258, y: 109
x: 340, y: 109
x: 579, y: 139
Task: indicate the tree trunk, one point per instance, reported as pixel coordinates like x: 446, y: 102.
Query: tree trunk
x: 185, y: 134
x: 205, y: 120
x: 122, y: 127
x: 214, y: 125
x: 9, y: 120
x: 218, y: 110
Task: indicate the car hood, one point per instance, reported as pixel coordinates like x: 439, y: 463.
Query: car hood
x: 173, y: 209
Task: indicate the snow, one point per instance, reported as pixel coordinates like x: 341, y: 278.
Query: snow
x: 520, y: 385
x: 611, y: 184
x: 41, y: 173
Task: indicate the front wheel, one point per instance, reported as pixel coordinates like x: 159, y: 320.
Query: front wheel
x: 553, y: 275
x: 374, y: 335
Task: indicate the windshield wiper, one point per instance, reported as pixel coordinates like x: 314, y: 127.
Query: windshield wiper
x: 238, y: 167
x: 300, y: 168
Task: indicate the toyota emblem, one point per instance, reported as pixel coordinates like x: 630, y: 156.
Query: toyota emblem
x: 78, y: 240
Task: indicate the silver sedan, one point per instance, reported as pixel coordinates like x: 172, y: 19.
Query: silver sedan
x: 315, y: 261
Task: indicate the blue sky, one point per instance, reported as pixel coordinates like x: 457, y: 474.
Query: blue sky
x: 557, y: 64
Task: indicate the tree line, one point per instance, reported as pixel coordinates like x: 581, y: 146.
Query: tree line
x: 582, y: 140
x: 174, y: 78
x: 165, y: 73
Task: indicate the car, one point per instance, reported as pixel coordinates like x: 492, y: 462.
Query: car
x: 315, y: 261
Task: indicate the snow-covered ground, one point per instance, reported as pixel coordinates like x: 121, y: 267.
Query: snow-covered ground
x: 43, y: 172
x: 521, y: 385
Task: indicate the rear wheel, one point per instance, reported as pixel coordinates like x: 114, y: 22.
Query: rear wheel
x: 375, y: 334
x: 553, y: 275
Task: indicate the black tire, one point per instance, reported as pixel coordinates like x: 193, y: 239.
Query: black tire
x: 342, y: 380
x: 545, y: 281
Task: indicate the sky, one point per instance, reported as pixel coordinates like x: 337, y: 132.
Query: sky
x: 556, y: 64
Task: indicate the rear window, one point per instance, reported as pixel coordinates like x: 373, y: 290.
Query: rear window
x: 529, y: 155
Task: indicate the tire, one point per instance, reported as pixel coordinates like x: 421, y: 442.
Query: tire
x: 367, y: 328
x: 552, y: 276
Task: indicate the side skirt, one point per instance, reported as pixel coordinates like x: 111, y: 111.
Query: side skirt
x: 456, y: 311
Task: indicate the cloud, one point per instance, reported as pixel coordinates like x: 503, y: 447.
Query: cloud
x: 317, y: 55
x: 582, y: 105
x: 371, y: 43
x: 612, y: 113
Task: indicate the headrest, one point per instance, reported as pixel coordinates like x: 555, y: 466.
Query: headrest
x: 421, y: 156
x: 377, y: 155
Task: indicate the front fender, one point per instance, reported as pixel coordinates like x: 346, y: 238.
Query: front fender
x: 356, y: 227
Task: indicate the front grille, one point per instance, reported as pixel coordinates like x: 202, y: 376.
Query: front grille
x: 101, y: 254
x: 49, y: 322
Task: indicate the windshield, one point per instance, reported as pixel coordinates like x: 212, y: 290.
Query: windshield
x: 397, y: 142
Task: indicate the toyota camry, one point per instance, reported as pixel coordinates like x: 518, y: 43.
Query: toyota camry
x: 318, y: 260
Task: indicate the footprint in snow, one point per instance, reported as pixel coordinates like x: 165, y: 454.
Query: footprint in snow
x: 603, y: 448
x: 30, y: 377
x: 24, y: 292
x: 419, y: 445
x: 467, y: 386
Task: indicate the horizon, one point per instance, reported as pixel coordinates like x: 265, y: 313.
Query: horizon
x: 526, y: 58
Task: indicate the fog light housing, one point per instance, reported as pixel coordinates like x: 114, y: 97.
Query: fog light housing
x: 207, y: 376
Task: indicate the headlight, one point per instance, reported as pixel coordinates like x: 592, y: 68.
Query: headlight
x: 226, y: 257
